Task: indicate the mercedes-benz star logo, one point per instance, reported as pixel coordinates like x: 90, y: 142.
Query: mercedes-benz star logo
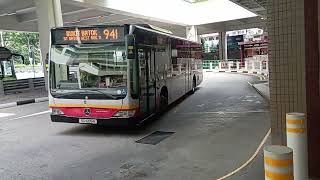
x: 87, y: 112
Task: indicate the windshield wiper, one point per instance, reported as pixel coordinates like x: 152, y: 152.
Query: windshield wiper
x: 101, y: 92
x: 60, y: 95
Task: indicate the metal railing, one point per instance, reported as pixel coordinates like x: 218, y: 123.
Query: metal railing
x: 14, y: 86
x: 251, y: 66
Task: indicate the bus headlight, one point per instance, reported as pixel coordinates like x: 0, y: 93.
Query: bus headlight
x: 124, y: 114
x: 56, y: 111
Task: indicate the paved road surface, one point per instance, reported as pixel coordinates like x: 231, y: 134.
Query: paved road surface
x: 216, y: 130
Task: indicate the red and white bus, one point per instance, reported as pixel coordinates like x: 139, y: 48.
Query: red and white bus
x: 118, y: 74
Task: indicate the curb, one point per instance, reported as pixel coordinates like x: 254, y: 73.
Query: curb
x: 28, y: 101
x: 261, y: 76
x: 264, y: 96
x: 257, y: 73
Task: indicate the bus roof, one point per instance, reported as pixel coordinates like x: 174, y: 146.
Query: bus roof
x: 90, y: 26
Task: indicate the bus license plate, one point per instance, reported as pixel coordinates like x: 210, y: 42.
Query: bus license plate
x: 88, y: 121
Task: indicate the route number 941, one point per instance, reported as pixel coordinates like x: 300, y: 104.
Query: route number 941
x: 110, y: 33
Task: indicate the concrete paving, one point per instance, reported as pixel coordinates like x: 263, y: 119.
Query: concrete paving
x: 24, y: 95
x: 263, y: 89
x: 216, y: 130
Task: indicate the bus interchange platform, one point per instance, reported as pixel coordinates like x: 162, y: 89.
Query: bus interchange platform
x: 204, y: 136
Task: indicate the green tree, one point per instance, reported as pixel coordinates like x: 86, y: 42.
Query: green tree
x: 19, y: 42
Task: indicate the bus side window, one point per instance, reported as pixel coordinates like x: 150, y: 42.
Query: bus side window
x: 134, y: 78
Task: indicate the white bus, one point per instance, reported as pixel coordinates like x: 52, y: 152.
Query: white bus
x: 118, y: 74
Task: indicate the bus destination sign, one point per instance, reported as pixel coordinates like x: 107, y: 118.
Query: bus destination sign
x: 87, y: 35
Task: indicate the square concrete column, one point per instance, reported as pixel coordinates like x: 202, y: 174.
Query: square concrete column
x: 1, y: 88
x: 192, y: 33
x: 294, y: 70
x: 223, y: 46
x: 49, y: 15
x: 1, y: 39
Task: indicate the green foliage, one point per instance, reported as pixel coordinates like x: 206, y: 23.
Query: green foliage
x: 20, y: 65
x: 18, y: 42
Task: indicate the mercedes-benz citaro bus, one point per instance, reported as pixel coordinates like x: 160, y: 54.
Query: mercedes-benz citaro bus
x: 118, y: 74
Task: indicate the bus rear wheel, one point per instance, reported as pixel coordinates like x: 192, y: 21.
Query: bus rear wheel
x: 194, y: 85
x: 163, y: 100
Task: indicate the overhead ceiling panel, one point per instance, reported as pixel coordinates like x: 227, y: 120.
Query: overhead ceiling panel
x: 258, y: 7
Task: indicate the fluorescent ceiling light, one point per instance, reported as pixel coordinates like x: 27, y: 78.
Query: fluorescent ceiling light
x: 194, y: 1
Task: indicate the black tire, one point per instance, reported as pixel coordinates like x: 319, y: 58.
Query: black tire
x: 194, y: 85
x: 163, y: 101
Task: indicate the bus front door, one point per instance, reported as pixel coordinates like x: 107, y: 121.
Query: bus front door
x: 146, y: 58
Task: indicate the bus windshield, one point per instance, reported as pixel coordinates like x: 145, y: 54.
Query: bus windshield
x: 95, y: 70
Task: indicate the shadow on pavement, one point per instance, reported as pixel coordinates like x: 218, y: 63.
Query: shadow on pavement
x: 94, y: 130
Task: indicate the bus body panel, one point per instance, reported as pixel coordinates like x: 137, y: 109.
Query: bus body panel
x: 165, y: 62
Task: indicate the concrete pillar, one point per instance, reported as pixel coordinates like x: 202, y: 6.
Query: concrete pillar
x: 1, y: 88
x: 278, y: 163
x: 49, y: 15
x: 192, y: 33
x: 1, y: 39
x: 294, y: 70
x: 223, y: 46
x: 267, y: 66
x: 297, y: 140
x: 31, y: 84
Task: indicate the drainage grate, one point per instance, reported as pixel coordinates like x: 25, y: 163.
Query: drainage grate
x: 155, y: 137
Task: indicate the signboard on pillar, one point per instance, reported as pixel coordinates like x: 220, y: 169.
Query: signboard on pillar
x: 233, y: 48
x: 192, y: 33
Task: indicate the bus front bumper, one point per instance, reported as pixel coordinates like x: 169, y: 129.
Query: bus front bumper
x: 104, y: 122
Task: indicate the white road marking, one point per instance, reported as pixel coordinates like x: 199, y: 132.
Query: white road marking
x: 250, y: 160
x: 6, y: 115
x: 30, y: 115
